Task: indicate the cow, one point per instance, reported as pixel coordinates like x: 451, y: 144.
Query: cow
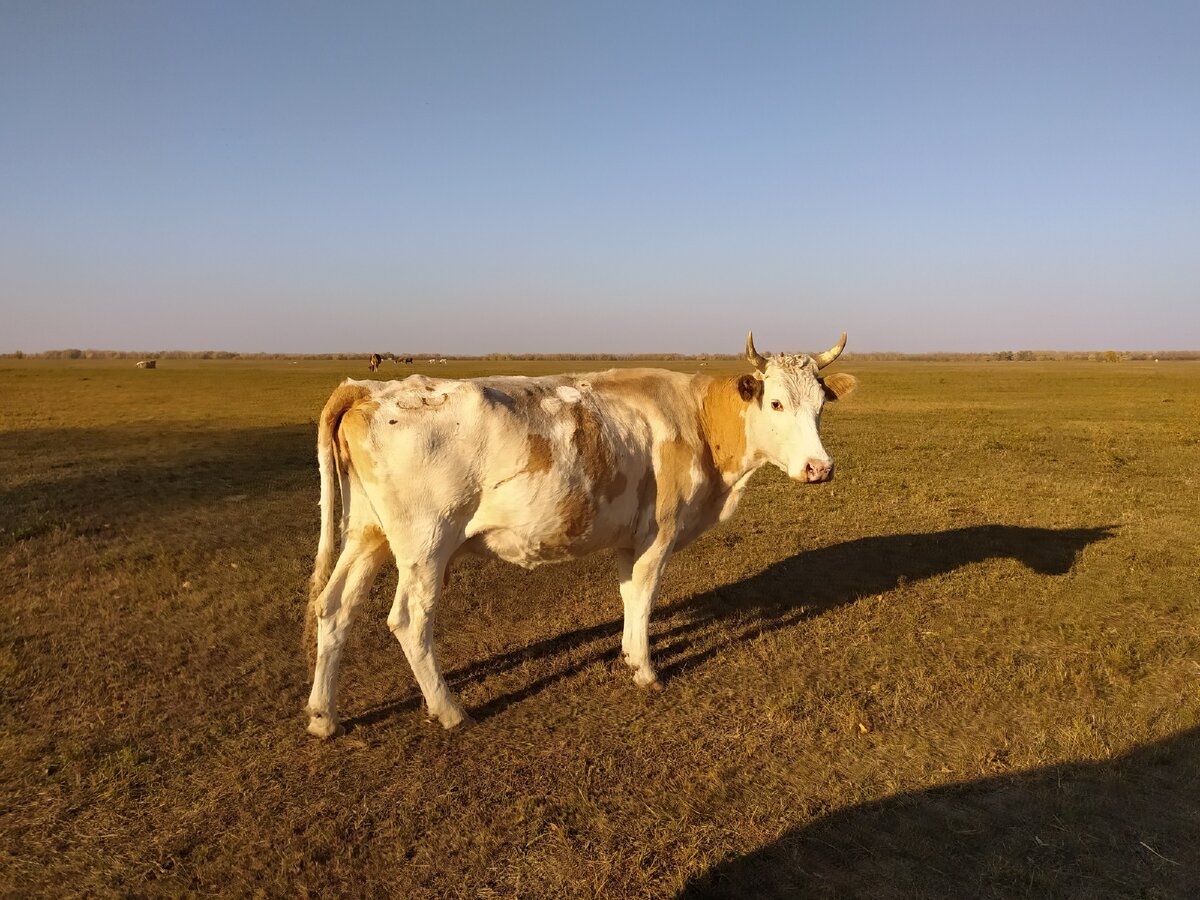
x: 148, y: 364
x: 375, y: 362
x: 536, y: 470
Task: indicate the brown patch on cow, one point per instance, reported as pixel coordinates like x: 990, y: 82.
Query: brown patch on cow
x: 541, y: 457
x: 588, y: 439
x: 354, y: 432
x: 373, y: 534
x: 356, y: 423
x: 344, y: 398
x: 596, y: 455
x: 577, y: 511
x: 614, y: 487
x: 723, y: 423
x: 674, y: 479
x: 639, y: 386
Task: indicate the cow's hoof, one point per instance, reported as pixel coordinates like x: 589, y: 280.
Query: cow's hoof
x: 455, y: 720
x: 324, y: 727
x: 648, y: 682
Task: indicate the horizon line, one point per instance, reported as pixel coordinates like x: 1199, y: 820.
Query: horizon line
x: 1024, y: 354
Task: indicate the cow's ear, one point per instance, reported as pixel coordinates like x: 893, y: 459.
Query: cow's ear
x: 838, y: 385
x: 750, y: 388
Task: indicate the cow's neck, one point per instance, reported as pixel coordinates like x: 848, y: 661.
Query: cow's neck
x: 723, y: 428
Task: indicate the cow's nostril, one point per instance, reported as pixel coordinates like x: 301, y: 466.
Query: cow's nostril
x: 816, y: 470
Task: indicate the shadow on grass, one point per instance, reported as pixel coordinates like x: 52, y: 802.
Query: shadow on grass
x: 174, y: 470
x: 780, y: 596
x: 1126, y: 827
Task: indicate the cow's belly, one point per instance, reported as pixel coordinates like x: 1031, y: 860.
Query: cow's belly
x: 567, y: 529
x: 513, y: 547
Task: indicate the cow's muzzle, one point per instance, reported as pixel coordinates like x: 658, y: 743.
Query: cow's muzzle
x: 815, y: 470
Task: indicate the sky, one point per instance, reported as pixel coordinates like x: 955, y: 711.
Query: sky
x: 475, y: 177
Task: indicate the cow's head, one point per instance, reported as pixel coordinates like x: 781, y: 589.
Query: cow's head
x: 784, y: 397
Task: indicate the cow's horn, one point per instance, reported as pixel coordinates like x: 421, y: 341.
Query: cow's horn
x: 755, y: 358
x: 824, y: 359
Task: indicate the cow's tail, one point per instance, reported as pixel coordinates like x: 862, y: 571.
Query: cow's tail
x: 332, y: 467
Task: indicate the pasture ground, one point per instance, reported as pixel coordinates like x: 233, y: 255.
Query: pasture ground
x: 969, y: 666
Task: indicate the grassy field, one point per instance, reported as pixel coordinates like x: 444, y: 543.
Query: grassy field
x: 969, y: 666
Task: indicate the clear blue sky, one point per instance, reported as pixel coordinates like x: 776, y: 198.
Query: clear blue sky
x: 576, y: 176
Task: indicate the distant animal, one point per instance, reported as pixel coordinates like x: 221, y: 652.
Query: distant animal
x: 148, y: 364
x: 442, y: 361
x: 408, y: 360
x: 432, y: 361
x: 376, y: 359
x: 535, y: 470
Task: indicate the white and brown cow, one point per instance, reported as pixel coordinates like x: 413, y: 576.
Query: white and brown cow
x: 534, y: 470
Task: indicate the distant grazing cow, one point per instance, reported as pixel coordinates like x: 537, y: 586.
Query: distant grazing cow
x: 433, y: 361
x: 442, y: 361
x: 148, y: 364
x: 376, y: 359
x: 534, y: 470
x: 408, y: 360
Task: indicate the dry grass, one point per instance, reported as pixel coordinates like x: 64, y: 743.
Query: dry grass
x: 970, y: 666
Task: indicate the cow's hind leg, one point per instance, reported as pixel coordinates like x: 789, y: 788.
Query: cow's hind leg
x: 362, y: 555
x: 411, y: 620
x: 639, y: 576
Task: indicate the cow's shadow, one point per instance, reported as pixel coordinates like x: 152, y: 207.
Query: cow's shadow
x: 174, y: 471
x: 1125, y: 827
x: 779, y: 596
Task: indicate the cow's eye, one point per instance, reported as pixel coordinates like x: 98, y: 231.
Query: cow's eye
x: 777, y: 406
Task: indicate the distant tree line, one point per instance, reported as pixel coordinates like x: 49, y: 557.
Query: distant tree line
x: 74, y: 353
x: 594, y: 356
x: 998, y: 356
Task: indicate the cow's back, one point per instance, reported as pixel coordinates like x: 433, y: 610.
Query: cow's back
x: 531, y: 470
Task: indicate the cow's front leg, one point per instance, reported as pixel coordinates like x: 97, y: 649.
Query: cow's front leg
x: 640, y: 576
x: 411, y: 621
